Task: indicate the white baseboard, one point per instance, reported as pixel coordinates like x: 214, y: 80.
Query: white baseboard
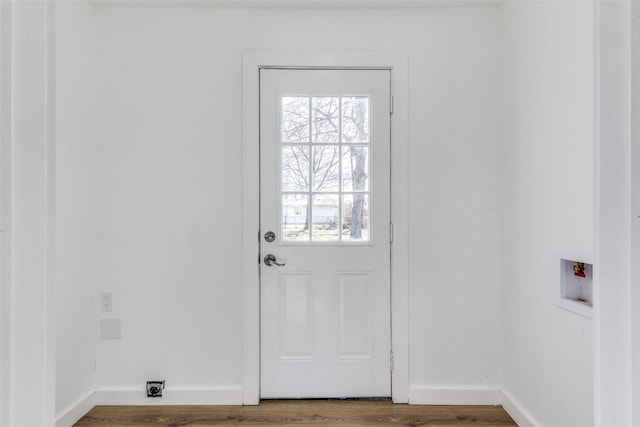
x: 422, y: 395
x: 208, y: 396
x: 521, y: 416
x: 231, y: 395
x: 73, y: 414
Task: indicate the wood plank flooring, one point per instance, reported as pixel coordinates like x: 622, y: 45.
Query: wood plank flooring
x: 298, y: 413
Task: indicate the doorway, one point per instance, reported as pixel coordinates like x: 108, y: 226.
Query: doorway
x: 253, y: 61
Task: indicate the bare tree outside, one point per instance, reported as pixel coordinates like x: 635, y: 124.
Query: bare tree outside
x: 324, y: 167
x: 356, y: 113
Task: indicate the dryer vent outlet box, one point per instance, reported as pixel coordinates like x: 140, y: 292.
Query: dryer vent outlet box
x: 576, y: 286
x: 154, y: 388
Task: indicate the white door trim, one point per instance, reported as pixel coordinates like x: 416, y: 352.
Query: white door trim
x: 27, y: 193
x: 252, y: 62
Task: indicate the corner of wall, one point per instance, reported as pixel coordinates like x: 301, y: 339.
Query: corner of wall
x: 72, y: 415
x: 547, y: 207
x: 514, y: 408
x: 75, y: 124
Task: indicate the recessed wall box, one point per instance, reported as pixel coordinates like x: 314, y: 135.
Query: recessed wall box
x: 576, y: 286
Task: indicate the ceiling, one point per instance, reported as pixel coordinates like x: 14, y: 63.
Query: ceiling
x: 299, y: 4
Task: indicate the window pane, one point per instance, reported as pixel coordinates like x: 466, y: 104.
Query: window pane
x: 295, y: 119
x: 355, y: 168
x: 325, y: 217
x: 295, y: 168
x: 325, y: 154
x: 326, y: 163
x: 326, y: 118
x: 355, y: 119
x: 295, y: 214
x: 355, y: 217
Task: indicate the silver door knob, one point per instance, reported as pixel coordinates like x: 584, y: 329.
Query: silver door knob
x: 270, y: 259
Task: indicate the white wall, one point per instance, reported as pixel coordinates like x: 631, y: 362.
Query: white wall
x: 76, y: 198
x: 547, y: 206
x: 614, y: 381
x: 5, y: 212
x: 454, y: 279
x: 170, y: 171
x: 634, y: 15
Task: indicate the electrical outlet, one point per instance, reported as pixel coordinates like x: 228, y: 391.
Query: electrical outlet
x: 111, y: 329
x: 106, y: 302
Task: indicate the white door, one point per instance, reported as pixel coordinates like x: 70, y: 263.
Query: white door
x: 325, y: 240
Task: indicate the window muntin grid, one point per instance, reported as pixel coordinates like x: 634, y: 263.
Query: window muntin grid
x: 325, y: 168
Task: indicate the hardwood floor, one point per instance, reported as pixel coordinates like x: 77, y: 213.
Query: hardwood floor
x: 298, y: 413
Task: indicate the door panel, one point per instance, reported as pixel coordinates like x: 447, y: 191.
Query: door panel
x: 325, y: 192
x: 356, y: 316
x: 296, y: 317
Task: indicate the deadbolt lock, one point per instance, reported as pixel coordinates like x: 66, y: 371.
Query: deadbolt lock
x: 269, y: 236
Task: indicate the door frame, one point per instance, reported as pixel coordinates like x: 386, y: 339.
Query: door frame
x: 252, y: 63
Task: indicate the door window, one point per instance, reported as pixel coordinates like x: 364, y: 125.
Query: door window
x: 325, y: 168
